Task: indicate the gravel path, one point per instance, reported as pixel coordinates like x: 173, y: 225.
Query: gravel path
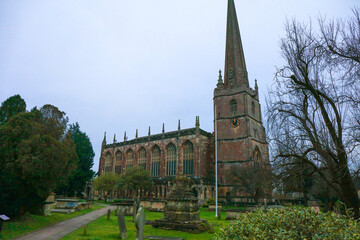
x: 61, y: 229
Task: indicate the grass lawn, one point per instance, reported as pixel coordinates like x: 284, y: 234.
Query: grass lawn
x: 108, y: 229
x: 29, y: 223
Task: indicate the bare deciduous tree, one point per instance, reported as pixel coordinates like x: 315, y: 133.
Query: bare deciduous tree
x: 254, y: 179
x: 312, y: 101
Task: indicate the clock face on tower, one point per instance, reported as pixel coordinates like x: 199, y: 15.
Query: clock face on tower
x: 235, y: 122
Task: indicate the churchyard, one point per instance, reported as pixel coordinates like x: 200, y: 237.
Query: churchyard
x: 109, y: 229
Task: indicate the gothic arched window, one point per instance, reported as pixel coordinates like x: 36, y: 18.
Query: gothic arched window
x: 155, y: 162
x: 188, y: 162
x: 108, y: 162
x: 129, y: 159
x: 118, y: 156
x: 171, y: 160
x: 233, y: 106
x: 142, y: 158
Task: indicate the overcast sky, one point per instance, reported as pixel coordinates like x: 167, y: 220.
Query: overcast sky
x: 122, y: 65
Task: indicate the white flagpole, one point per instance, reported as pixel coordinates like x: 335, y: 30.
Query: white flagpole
x: 216, y: 165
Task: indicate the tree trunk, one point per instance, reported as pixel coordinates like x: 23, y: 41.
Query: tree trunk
x: 349, y: 194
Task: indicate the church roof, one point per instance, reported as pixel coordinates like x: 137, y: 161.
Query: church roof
x: 156, y: 137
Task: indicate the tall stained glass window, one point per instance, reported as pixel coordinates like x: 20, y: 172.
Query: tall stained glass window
x: 188, y: 163
x: 108, y: 162
x: 142, y: 158
x: 118, y: 156
x: 233, y: 106
x: 171, y: 160
x: 155, y: 162
x: 129, y: 159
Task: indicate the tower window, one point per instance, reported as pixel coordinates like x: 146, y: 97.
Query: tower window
x: 155, y: 162
x: 257, y: 155
x: 233, y: 106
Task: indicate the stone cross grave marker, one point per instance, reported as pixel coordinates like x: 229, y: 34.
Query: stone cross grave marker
x: 140, y: 221
x: 122, y: 224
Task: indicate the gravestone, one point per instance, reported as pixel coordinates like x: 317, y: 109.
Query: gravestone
x: 122, y: 224
x: 108, y: 214
x: 140, y: 221
x: 136, y: 208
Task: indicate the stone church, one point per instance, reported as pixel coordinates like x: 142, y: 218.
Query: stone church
x: 191, y: 152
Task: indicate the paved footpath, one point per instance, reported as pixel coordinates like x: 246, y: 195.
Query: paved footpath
x: 61, y: 229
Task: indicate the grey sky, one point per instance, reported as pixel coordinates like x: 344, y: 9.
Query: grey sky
x: 119, y: 65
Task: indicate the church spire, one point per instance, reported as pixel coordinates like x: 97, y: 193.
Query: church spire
x: 235, y: 74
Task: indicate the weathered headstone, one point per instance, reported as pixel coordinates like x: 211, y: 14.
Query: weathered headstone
x: 219, y: 213
x: 135, y: 210
x: 108, y: 214
x: 140, y: 221
x: 122, y: 224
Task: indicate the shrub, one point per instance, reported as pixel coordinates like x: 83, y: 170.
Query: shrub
x: 291, y: 223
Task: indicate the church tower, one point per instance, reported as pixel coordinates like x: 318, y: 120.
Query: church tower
x: 240, y: 133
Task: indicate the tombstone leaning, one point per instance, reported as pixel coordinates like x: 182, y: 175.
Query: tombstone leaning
x: 122, y: 224
x: 140, y: 221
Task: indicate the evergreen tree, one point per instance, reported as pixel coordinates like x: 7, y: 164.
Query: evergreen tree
x: 36, y: 152
x: 10, y: 107
x: 84, y: 150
